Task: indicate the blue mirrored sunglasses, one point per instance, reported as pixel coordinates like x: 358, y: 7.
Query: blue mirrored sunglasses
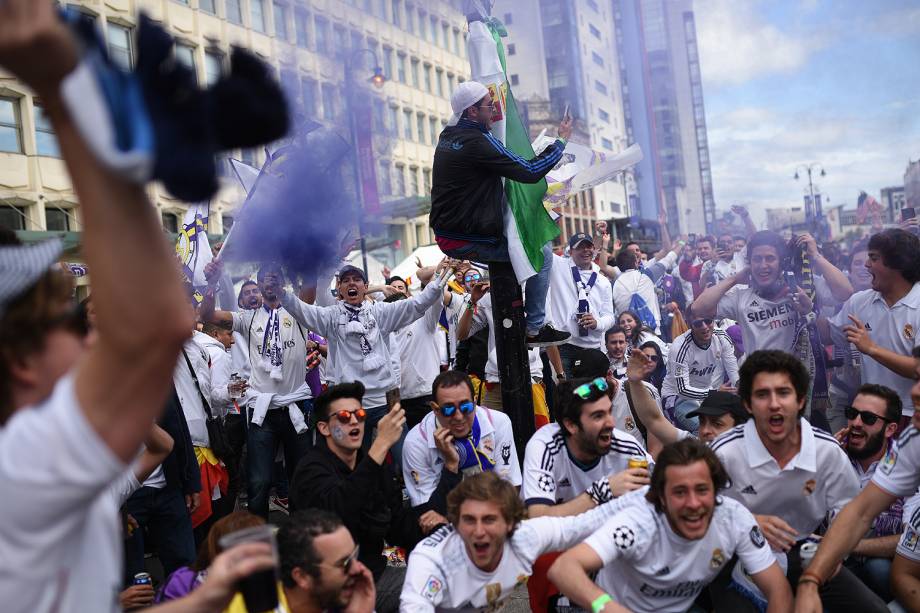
x: 450, y: 408
x: 584, y: 391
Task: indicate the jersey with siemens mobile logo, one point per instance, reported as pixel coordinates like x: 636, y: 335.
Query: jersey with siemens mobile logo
x: 765, y: 324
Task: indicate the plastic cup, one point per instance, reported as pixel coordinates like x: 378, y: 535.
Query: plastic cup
x: 260, y: 589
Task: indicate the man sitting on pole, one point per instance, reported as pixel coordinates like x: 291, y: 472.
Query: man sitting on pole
x: 468, y: 197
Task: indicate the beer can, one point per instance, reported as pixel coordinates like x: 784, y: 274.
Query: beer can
x: 143, y: 579
x: 807, y: 552
x: 637, y: 462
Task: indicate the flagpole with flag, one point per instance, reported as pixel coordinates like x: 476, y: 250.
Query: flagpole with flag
x: 192, y: 247
x: 528, y: 227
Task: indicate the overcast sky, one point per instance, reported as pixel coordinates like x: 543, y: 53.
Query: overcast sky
x: 798, y: 81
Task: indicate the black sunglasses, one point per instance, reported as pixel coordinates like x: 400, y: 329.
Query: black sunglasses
x: 698, y: 323
x: 867, y: 417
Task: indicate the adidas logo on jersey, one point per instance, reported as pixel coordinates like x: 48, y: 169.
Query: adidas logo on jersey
x: 749, y: 490
x: 564, y: 482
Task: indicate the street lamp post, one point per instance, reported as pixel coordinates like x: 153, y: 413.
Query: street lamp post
x: 813, y: 209
x: 377, y: 80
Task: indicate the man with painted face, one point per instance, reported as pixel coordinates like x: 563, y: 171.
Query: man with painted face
x: 580, y: 301
x: 791, y: 475
x: 468, y: 205
x: 488, y: 550
x: 457, y: 439
x: 661, y: 550
x: 277, y: 345
x: 359, y: 487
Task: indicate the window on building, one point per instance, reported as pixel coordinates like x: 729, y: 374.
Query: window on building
x: 420, y: 127
x: 593, y: 4
x: 321, y: 27
x: 456, y: 41
x: 606, y: 143
x: 227, y: 222
x: 450, y: 84
x: 407, y: 124
x: 445, y: 35
x: 600, y: 88
x: 433, y: 130
x: 45, y: 141
x: 508, y: 19
x: 208, y: 6
x: 439, y: 82
x: 309, y: 89
x: 512, y: 49
x: 12, y: 217
x: 514, y: 79
x: 170, y: 222
x: 400, y: 187
x: 380, y: 126
x: 380, y: 9
x: 56, y: 220
x: 234, y: 12
x: 415, y: 181
x: 340, y: 48
x: 422, y: 24
x: 395, y: 15
x: 410, y: 18
x: 392, y: 120
x: 388, y: 62
x: 383, y: 177
x: 329, y: 102
x: 415, y: 81
x: 597, y: 59
x: 426, y: 182
x: 248, y: 156
x: 10, y: 126
x: 594, y: 31
x: 279, y: 11
x: 119, y: 45
x: 401, y: 67
x: 301, y: 19
x: 257, y: 14
x: 604, y: 115
x: 426, y: 74
x: 357, y: 42
x: 433, y: 30
x: 185, y: 55
x: 213, y: 67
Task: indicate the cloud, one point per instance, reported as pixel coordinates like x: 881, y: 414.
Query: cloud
x: 736, y: 46
x: 755, y: 152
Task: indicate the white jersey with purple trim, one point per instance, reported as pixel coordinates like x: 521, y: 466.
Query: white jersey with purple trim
x: 693, y: 370
x: 899, y: 471
x: 648, y: 567
x: 909, y: 545
x: 551, y: 475
x: 441, y: 577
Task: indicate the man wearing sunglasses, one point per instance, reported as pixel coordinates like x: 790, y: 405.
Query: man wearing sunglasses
x: 872, y: 425
x: 359, y: 487
x: 701, y: 359
x: 898, y: 474
x: 457, y: 439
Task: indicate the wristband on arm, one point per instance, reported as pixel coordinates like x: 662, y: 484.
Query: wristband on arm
x: 598, y: 604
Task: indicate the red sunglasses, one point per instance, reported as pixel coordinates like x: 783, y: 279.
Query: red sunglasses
x: 345, y: 416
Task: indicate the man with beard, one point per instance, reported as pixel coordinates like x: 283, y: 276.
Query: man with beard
x: 359, y: 487
x: 701, y: 359
x: 615, y: 342
x: 278, y: 350
x: 883, y: 323
x: 872, y: 422
x: 659, y: 552
x: 791, y: 475
x: 898, y: 474
x: 320, y: 570
x: 488, y: 550
x: 456, y: 439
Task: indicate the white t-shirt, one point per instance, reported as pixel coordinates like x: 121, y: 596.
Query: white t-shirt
x: 899, y: 471
x: 252, y: 326
x: 693, y: 370
x: 552, y: 475
x: 187, y: 390
x: 622, y: 416
x: 562, y: 302
x: 441, y: 577
x: 649, y: 567
x: 765, y: 324
x: 419, y: 354
x: 909, y: 545
x: 896, y: 329
x: 422, y: 462
x: 636, y: 282
x: 61, y: 486
x: 483, y: 318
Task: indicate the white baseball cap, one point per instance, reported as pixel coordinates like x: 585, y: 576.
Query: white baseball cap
x: 466, y: 95
x: 21, y: 266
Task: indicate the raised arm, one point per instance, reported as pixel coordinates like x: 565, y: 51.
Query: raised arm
x: 707, y: 303
x: 644, y: 403
x: 121, y: 383
x: 837, y: 282
x: 491, y: 153
x: 570, y: 573
x: 213, y: 271
x: 157, y: 446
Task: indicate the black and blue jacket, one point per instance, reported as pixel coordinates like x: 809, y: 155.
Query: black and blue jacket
x: 467, y: 195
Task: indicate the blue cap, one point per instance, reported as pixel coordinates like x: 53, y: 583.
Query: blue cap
x: 579, y: 237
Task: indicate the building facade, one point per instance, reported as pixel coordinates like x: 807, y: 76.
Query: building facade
x: 421, y: 47
x: 912, y: 185
x: 664, y: 111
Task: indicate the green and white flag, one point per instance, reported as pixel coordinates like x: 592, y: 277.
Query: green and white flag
x: 527, y: 224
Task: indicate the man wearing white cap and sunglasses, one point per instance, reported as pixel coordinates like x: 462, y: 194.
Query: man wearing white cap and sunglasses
x: 468, y: 197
